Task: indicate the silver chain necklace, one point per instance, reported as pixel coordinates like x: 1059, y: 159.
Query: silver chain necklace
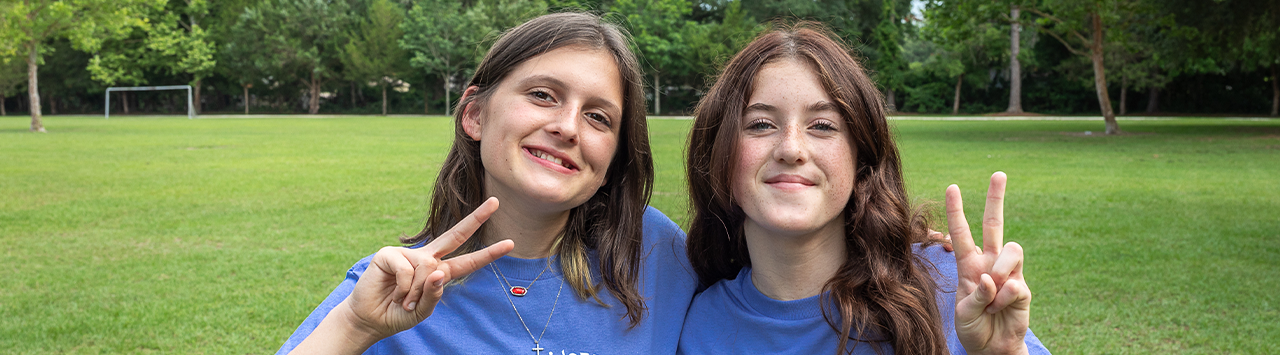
x: 537, y: 348
x: 520, y: 291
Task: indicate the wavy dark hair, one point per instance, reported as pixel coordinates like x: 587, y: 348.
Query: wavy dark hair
x: 611, y: 221
x: 883, y: 292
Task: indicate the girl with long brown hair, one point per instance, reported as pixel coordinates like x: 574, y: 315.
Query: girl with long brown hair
x: 552, y: 124
x: 802, y: 228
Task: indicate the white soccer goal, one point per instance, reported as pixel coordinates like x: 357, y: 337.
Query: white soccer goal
x: 191, y: 110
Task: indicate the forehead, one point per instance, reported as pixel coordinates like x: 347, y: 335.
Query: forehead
x: 591, y: 72
x: 788, y: 81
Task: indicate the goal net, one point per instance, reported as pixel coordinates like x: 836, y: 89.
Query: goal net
x: 191, y: 110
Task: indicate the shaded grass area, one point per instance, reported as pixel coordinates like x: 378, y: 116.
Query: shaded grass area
x: 164, y: 235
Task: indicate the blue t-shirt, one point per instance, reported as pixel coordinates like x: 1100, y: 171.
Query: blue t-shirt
x: 732, y: 316
x: 476, y: 317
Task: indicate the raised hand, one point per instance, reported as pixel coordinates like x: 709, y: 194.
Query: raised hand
x: 401, y: 288
x: 993, y: 302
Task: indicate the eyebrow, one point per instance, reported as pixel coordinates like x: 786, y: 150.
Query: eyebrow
x: 822, y: 106
x: 558, y: 84
x: 815, y: 107
x: 542, y: 80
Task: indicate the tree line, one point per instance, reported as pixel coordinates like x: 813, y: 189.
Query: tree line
x: 407, y: 56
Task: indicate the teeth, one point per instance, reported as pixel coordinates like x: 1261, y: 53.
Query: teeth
x: 548, y: 157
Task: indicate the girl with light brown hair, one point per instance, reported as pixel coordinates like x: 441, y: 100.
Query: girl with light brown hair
x: 802, y: 229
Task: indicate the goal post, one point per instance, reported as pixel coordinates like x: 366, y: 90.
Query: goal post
x: 191, y: 110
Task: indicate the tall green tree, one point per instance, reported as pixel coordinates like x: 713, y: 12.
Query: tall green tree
x: 440, y: 42
x: 1082, y: 27
x: 183, y: 43
x: 30, y: 24
x: 890, y: 67
x: 170, y: 40
x: 712, y: 43
x: 657, y: 26
x: 446, y: 38
x: 299, y: 40
x: 373, y: 52
x: 960, y: 50
x: 1241, y: 35
x: 963, y: 15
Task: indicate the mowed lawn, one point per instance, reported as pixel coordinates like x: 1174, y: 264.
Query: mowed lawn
x: 168, y: 235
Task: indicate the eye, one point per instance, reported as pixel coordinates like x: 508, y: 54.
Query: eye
x: 759, y: 125
x: 542, y: 95
x: 824, y: 125
x: 602, y: 119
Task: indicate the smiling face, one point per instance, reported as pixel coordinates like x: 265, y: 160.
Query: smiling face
x: 794, y: 170
x: 549, y: 130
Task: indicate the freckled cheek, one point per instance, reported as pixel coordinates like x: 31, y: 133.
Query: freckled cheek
x: 750, y: 159
x: 841, y: 169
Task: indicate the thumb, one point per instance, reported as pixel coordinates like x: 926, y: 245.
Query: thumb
x: 971, y: 308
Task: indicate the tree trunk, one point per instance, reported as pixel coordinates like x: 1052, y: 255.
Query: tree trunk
x: 53, y: 105
x: 1015, y: 67
x: 1124, y: 92
x: 1275, y: 90
x: 196, y: 93
x: 313, y: 87
x: 1100, y: 75
x: 446, y: 93
x: 426, y: 99
x: 33, y: 89
x: 657, y: 98
x: 955, y: 107
x: 2, y: 113
x: 353, y: 95
x: 246, y: 98
x: 889, y: 99
x: 384, y: 98
x: 1153, y: 100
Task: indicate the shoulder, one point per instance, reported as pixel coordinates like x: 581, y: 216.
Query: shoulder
x: 661, y: 233
x: 940, y: 262
x: 360, y: 266
x: 658, y: 225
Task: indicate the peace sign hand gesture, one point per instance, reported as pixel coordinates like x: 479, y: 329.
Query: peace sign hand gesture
x: 993, y: 302
x: 401, y: 288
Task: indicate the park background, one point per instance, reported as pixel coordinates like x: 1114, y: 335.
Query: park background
x: 150, y: 233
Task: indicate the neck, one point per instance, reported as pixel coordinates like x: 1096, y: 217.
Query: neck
x: 788, y: 266
x: 532, y: 229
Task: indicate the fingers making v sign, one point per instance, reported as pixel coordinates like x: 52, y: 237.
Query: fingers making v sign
x: 402, y: 286
x: 993, y: 302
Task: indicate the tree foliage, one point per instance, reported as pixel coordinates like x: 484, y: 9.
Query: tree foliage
x: 373, y: 52
x: 951, y: 55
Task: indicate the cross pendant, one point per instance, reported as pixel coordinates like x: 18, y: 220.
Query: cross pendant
x: 537, y: 349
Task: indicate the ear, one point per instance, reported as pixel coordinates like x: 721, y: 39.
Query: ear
x: 471, y: 114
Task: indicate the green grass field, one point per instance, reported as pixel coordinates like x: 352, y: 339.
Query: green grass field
x: 167, y: 235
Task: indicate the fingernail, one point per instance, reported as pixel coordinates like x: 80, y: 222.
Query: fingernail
x: 413, y: 305
x: 439, y: 283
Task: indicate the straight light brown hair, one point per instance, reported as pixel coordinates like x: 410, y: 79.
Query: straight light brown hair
x: 883, y: 292
x: 610, y: 223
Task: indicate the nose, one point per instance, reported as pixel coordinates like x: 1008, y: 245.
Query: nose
x: 565, y: 125
x: 792, y: 148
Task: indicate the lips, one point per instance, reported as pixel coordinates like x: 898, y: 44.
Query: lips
x: 552, y: 157
x: 789, y: 181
